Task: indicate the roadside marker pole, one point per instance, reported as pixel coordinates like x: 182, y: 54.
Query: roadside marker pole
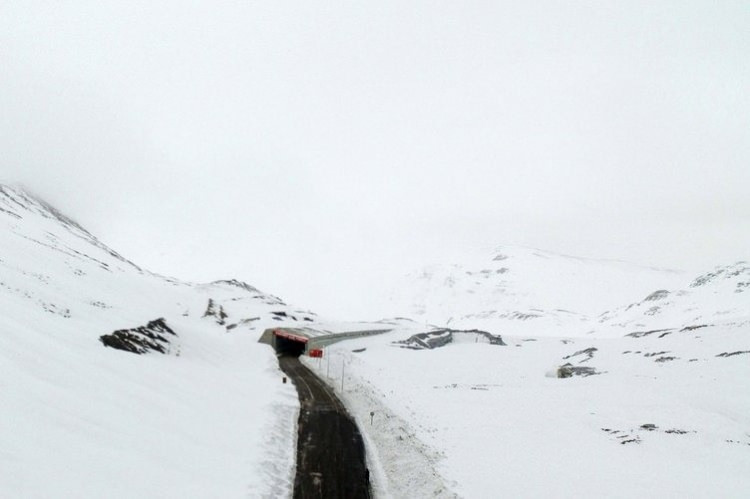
x: 343, y: 363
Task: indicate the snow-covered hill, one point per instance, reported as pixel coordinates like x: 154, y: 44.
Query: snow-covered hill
x: 599, y: 378
x: 641, y: 416
x: 79, y: 419
x: 522, y: 290
x: 720, y: 297
x: 653, y: 401
x: 606, y: 380
x: 53, y: 264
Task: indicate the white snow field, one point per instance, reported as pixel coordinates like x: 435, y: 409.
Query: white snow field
x: 527, y: 290
x: 210, y: 418
x: 613, y: 380
x: 662, y: 411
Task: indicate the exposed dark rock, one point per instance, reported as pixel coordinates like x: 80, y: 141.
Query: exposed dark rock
x: 706, y: 278
x: 238, y: 284
x: 588, y: 352
x: 652, y: 311
x: 657, y: 295
x: 521, y: 316
x: 427, y: 341
x: 632, y: 436
x: 243, y: 322
x: 216, y: 312
x: 665, y: 359
x: 738, y: 269
x: 735, y: 270
x: 13, y: 214
x: 569, y: 370
x: 624, y: 437
x: 726, y: 354
x: 693, y: 328
x: 54, y: 309
x: 442, y: 337
x: 631, y: 441
x: 641, y: 334
x: 281, y: 315
x: 151, y: 337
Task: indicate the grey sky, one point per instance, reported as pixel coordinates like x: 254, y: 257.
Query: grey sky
x: 318, y: 150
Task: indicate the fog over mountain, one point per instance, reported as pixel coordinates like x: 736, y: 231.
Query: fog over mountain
x: 323, y: 152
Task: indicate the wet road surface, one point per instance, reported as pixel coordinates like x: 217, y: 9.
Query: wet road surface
x: 330, y: 451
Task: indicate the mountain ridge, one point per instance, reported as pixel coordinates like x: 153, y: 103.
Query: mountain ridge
x: 521, y: 290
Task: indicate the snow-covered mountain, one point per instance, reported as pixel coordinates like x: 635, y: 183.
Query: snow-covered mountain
x: 719, y: 297
x: 647, y: 399
x: 643, y: 415
x: 81, y: 419
x: 525, y: 290
x: 51, y: 263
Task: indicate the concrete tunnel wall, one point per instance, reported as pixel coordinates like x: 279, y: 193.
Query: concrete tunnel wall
x: 316, y: 339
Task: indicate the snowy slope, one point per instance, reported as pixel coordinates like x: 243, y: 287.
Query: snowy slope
x: 718, y: 297
x: 209, y: 419
x: 665, y: 412
x: 488, y: 422
x: 525, y: 291
x: 650, y: 399
x: 663, y: 415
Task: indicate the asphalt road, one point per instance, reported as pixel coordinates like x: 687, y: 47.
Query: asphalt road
x: 330, y: 451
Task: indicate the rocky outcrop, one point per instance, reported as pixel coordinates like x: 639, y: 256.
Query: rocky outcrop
x: 569, y: 370
x: 217, y: 312
x: 153, y: 337
x: 441, y: 337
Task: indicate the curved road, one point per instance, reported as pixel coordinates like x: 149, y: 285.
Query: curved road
x: 330, y: 451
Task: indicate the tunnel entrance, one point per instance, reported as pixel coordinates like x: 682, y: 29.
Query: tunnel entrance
x: 286, y: 343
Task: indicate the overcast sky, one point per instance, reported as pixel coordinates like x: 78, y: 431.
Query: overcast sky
x: 320, y: 149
